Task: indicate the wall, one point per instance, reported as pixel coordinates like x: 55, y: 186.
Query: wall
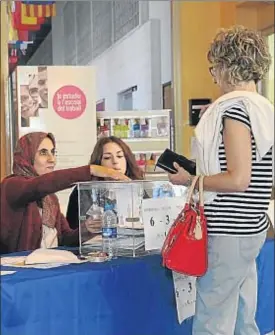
x: 142, y: 58
x: 191, y: 72
x: 256, y: 15
x: 130, y: 62
x: 161, y: 10
x: 190, y: 45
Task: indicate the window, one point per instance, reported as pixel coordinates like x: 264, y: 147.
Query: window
x: 167, y: 96
x: 100, y: 105
x: 125, y: 99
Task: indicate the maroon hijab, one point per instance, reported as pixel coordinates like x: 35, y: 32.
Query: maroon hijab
x: 23, y: 162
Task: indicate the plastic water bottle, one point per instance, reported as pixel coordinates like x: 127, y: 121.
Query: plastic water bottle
x: 109, y: 230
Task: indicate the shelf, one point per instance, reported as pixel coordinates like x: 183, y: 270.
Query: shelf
x: 136, y: 152
x: 139, y: 145
x: 142, y: 139
x: 146, y: 139
x: 133, y: 114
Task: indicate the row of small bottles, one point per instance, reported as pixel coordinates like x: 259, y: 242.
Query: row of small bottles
x: 134, y: 128
x: 125, y: 128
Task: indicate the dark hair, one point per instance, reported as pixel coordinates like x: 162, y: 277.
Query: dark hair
x: 132, y: 170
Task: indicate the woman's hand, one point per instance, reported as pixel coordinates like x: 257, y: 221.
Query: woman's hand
x: 107, y: 173
x: 93, y: 226
x: 182, y: 177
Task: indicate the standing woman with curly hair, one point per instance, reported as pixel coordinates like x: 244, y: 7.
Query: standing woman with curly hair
x: 235, y: 145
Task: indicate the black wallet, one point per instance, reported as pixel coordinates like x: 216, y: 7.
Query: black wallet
x: 167, y: 159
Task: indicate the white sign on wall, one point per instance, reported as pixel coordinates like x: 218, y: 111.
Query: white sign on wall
x: 60, y: 100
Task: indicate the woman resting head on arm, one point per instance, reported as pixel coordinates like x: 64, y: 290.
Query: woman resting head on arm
x: 30, y: 212
x: 109, y: 152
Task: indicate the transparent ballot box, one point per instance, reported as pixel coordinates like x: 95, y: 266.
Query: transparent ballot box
x: 126, y: 218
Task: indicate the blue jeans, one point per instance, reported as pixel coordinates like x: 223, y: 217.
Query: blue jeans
x: 227, y: 294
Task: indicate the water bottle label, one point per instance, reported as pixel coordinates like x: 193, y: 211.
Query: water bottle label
x: 110, y: 232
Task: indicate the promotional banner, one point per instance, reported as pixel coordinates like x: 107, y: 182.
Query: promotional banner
x: 60, y: 100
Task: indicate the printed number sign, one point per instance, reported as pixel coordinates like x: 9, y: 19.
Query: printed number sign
x: 158, y: 216
x: 185, y: 294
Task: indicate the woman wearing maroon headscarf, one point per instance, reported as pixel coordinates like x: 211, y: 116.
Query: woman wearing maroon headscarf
x: 30, y: 211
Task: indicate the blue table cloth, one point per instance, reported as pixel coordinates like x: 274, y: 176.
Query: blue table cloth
x: 122, y: 297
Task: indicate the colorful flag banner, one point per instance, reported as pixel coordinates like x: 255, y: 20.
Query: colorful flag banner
x: 40, y: 9
x: 21, y: 22
x: 15, y: 34
x: 34, y: 2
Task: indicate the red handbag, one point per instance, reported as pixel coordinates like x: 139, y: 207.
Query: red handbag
x: 185, y: 247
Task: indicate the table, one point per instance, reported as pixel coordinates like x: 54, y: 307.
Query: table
x: 122, y: 297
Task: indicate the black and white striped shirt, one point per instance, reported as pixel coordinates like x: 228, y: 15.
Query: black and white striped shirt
x: 242, y: 213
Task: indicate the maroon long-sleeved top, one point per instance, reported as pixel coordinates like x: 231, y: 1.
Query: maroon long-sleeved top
x: 21, y: 222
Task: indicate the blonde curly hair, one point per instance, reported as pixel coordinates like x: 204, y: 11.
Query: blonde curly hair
x: 240, y: 54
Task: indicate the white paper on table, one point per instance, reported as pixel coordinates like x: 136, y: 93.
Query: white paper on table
x: 50, y: 256
x: 4, y: 273
x: 40, y: 266
x: 185, y: 294
x: 44, y: 265
x: 42, y: 259
x: 158, y: 216
x: 13, y: 260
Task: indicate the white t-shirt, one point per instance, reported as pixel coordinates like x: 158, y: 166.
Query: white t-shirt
x: 49, y: 236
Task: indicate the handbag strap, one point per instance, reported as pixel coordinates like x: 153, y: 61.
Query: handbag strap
x: 192, y: 187
x: 201, y: 200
